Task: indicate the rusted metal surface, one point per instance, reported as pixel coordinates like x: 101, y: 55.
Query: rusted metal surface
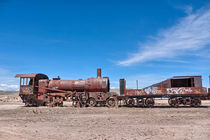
x: 89, y: 85
x: 122, y: 84
x: 178, y: 85
x: 166, y: 91
x: 37, y: 89
x: 32, y: 75
x: 98, y: 73
x: 29, y: 83
x: 26, y: 75
x: 26, y: 90
x: 180, y: 81
x: 180, y: 90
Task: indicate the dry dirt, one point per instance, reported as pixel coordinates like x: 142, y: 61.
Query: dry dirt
x: 101, y: 123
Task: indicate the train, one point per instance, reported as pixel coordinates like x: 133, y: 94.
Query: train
x: 38, y: 90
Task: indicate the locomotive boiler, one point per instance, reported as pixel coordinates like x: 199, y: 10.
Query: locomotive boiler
x: 38, y: 89
x: 88, y: 85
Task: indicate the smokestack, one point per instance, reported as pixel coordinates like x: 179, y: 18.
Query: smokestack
x: 99, y: 73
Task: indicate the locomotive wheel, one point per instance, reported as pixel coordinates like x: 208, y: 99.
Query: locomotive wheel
x: 195, y: 102
x: 187, y: 101
x: 60, y: 104
x: 51, y: 104
x: 149, y: 102
x: 130, y: 102
x: 140, y: 102
x: 110, y: 102
x: 35, y: 104
x: 74, y: 103
x: 47, y: 103
x: 192, y: 103
x: 91, y: 102
x: 173, y: 102
x: 170, y: 102
x: 27, y: 104
x: 30, y: 102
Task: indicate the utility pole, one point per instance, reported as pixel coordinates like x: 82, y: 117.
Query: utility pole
x: 137, y: 85
x: 209, y: 81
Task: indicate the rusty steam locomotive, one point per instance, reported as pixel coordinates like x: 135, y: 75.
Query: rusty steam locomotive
x: 38, y: 89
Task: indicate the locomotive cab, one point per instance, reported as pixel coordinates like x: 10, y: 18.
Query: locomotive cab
x: 29, y: 83
x: 26, y: 85
x: 29, y: 86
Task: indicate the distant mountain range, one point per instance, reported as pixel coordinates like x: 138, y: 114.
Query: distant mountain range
x: 8, y: 92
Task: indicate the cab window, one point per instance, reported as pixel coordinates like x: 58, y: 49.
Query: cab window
x: 26, y: 81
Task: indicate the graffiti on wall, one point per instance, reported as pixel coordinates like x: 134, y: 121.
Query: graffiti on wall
x: 179, y: 90
x: 151, y: 90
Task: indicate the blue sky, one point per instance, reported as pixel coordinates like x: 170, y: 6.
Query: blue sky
x: 145, y: 40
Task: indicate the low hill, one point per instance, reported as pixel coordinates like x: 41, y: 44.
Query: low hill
x: 8, y: 92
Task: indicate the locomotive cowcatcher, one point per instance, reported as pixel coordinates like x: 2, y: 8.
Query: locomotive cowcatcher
x: 39, y: 90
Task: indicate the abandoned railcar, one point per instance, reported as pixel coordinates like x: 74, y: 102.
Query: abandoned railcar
x: 186, y: 90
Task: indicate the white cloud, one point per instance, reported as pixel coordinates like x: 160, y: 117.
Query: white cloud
x: 189, y: 36
x: 7, y: 80
x: 187, y: 8
x: 6, y: 87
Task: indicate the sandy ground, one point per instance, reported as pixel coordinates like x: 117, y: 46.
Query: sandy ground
x: 101, y: 123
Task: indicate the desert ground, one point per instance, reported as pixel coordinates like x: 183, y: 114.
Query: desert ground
x: 102, y: 123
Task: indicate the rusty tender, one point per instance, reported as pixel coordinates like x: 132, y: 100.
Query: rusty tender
x: 38, y: 89
x: 186, y: 90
